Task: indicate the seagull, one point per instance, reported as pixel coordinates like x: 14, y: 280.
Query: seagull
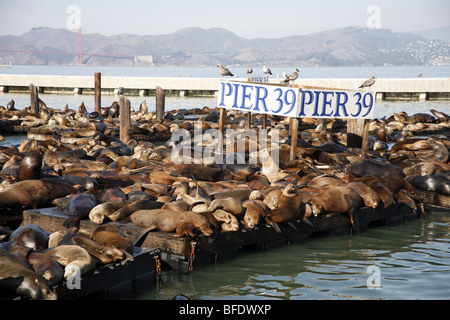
x: 266, y: 70
x: 368, y: 83
x: 224, y: 71
x: 249, y: 70
x: 293, y: 76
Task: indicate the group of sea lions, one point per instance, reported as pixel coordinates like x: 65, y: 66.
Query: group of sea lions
x: 32, y: 261
x: 86, y: 171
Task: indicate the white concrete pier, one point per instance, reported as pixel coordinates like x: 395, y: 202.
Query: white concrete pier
x: 387, y: 88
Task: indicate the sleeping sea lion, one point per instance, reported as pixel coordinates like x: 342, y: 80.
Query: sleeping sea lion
x: 75, y: 259
x: 34, y: 193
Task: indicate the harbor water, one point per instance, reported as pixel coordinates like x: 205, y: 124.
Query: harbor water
x: 410, y: 260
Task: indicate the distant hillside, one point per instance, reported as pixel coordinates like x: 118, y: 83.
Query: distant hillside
x: 435, y: 34
x: 349, y: 46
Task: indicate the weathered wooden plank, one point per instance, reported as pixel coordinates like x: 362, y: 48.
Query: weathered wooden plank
x: 434, y: 198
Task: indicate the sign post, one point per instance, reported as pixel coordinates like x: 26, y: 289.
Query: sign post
x: 297, y: 102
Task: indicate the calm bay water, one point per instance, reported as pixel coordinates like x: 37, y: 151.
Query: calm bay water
x: 413, y: 259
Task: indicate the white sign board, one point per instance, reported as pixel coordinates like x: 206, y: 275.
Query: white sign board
x: 295, y: 102
x: 259, y: 98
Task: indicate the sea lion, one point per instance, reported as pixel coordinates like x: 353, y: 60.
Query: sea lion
x: 198, y: 171
x: 384, y: 193
x: 34, y: 193
x: 168, y: 220
x: 370, y: 197
x: 31, y: 236
x: 375, y: 168
x: 229, y: 204
x: 46, y: 267
x: 17, y: 279
x: 105, y: 254
x: 430, y: 182
x: 177, y: 205
x: 127, y: 210
x: 112, y: 194
x: 102, y: 211
x: 443, y: 188
x: 337, y: 199
x: 255, y: 211
x: 441, y: 116
x: 109, y: 235
x: 287, y: 206
x: 187, y: 229
x: 325, y: 181
x: 75, y: 259
x: 79, y: 208
x: 61, y: 237
x: 31, y: 164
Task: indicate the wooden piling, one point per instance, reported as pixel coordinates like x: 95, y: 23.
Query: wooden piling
x: 160, y: 102
x: 249, y: 120
x: 355, y: 128
x: 365, y: 139
x: 264, y: 124
x: 294, y: 134
x: 222, y: 123
x: 125, y: 119
x: 98, y: 90
x: 34, y: 98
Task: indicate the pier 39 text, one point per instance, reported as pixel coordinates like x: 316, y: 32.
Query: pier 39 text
x: 295, y: 102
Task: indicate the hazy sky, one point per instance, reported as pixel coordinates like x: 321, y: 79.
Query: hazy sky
x: 247, y: 18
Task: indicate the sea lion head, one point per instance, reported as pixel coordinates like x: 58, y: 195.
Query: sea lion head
x: 290, y: 191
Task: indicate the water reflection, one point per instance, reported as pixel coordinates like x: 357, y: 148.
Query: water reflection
x: 413, y: 260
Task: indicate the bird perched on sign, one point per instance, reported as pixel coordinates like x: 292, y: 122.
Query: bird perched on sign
x: 293, y: 76
x: 249, y: 70
x: 267, y: 70
x: 224, y: 71
x: 368, y: 83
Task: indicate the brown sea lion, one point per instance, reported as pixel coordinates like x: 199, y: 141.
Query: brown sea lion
x: 105, y: 254
x: 177, y: 205
x: 46, y: 267
x: 384, y: 193
x: 229, y: 204
x: 109, y: 235
x: 187, y: 229
x: 127, y: 210
x: 102, y: 211
x: 370, y: 197
x: 337, y: 199
x: 255, y: 211
x: 31, y: 165
x: 168, y: 220
x: 375, y: 168
x: 34, y: 193
x: 75, y: 259
x: 61, y: 237
x: 287, y: 206
x: 112, y: 194
x: 78, y: 208
x: 198, y: 171
x: 17, y: 279
x: 31, y: 236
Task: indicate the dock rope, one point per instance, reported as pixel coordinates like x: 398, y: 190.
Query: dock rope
x: 192, y: 256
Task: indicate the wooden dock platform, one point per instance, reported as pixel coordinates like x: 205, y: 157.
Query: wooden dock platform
x: 115, y: 278
x: 183, y: 253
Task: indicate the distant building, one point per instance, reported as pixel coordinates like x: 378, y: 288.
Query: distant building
x: 148, y: 59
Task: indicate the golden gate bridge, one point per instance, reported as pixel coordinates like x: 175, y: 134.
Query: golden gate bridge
x: 80, y: 52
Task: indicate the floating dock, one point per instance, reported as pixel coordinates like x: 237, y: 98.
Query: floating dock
x: 182, y: 253
x: 387, y: 88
